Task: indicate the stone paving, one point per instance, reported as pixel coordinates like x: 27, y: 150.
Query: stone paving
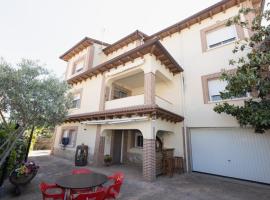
x: 193, y: 186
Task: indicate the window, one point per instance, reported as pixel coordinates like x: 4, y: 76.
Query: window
x: 68, y: 137
x: 76, y: 102
x: 119, y: 92
x: 214, y: 88
x: 221, y: 36
x: 138, y: 140
x: 78, y: 65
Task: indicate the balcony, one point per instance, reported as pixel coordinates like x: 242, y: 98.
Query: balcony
x: 165, y: 104
x: 125, y: 102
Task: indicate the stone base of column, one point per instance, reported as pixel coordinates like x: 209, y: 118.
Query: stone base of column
x: 149, y: 159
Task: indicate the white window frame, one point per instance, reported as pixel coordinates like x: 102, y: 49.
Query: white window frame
x: 138, y: 134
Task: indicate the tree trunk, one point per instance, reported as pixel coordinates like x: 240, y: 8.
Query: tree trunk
x: 29, y: 144
x: 3, y: 119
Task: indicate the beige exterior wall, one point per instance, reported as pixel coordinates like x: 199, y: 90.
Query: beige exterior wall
x: 187, y: 50
x: 89, y: 98
x: 86, y: 134
x: 122, y: 50
x: 181, y: 93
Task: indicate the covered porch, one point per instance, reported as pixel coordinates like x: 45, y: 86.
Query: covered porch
x: 139, y: 142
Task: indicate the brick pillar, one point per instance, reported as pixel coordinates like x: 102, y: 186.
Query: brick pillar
x: 99, y: 147
x: 149, y: 88
x: 149, y: 159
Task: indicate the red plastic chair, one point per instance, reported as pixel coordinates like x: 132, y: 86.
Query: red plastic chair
x: 118, y: 177
x: 45, y: 187
x: 113, y: 191
x: 98, y: 195
x: 81, y: 171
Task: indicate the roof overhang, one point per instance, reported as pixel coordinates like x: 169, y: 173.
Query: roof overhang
x: 219, y: 7
x: 137, y: 35
x: 153, y: 47
x: 81, y: 45
x: 116, y: 121
x: 153, y: 111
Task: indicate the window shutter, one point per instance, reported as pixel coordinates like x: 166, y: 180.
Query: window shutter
x: 220, y: 35
x: 79, y: 66
x: 215, y: 87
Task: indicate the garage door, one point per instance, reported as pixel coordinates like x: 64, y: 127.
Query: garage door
x: 232, y: 152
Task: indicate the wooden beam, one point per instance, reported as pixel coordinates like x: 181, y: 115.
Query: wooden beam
x: 188, y: 25
x: 211, y: 14
x: 238, y: 3
x: 199, y: 20
x: 158, y: 57
x: 223, y: 8
x: 140, y: 54
x: 152, y: 49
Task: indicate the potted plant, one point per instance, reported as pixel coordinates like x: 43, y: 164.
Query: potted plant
x: 107, y: 160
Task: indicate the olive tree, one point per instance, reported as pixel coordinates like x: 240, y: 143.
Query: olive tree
x: 31, y: 96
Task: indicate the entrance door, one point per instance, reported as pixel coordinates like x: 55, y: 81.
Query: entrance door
x: 117, y: 143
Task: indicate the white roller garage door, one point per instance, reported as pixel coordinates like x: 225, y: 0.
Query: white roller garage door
x: 232, y: 152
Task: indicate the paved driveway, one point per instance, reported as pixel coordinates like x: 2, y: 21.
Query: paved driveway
x: 181, y: 187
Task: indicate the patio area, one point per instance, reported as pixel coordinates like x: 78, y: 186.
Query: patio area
x: 185, y: 187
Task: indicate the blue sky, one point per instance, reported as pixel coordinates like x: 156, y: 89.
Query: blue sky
x: 44, y: 30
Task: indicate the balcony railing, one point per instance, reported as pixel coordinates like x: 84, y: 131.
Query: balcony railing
x: 125, y: 102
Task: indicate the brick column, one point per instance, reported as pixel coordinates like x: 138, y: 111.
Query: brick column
x: 149, y: 88
x: 99, y: 147
x: 149, y: 159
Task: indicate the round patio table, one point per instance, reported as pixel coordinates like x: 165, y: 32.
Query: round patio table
x: 80, y: 181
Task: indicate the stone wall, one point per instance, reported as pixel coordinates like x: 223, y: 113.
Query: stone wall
x: 43, y: 143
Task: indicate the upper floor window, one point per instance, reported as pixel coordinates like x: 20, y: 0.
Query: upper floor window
x: 212, y: 86
x: 215, y: 86
x: 76, y: 102
x: 78, y: 65
x: 120, y: 92
x: 221, y: 36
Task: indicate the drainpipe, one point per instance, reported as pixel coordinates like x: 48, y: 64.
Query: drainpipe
x: 184, y: 124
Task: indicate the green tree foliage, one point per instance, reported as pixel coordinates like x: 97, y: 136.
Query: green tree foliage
x: 31, y: 95
x: 252, y: 75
